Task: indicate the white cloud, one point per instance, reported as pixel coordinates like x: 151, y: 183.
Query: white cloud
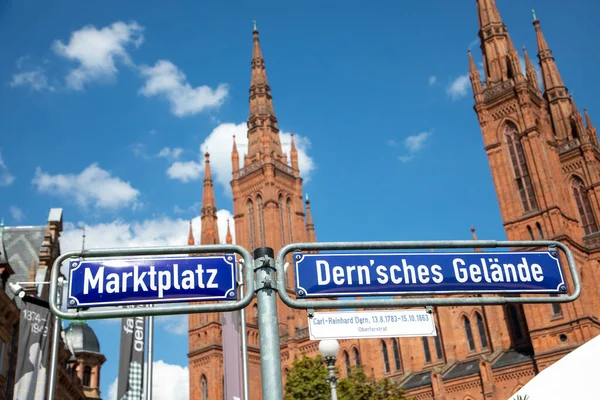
x: 185, y: 171
x: 432, y: 79
x: 92, y: 186
x: 165, y: 79
x: 174, y: 324
x: 172, y: 154
x: 458, y: 87
x: 474, y: 43
x: 97, y: 50
x: 17, y: 213
x: 171, y: 382
x: 6, y: 178
x: 413, y: 145
x: 29, y: 75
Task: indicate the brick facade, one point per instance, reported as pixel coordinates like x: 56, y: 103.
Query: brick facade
x: 544, y: 161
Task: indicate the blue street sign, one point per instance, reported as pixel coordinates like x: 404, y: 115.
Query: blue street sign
x: 94, y: 282
x: 339, y: 275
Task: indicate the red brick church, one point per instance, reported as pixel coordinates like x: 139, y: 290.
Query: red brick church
x: 545, y: 162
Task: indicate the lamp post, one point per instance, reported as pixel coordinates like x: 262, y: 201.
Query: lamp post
x: 329, y: 350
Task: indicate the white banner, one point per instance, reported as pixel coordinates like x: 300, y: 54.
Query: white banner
x: 370, y: 324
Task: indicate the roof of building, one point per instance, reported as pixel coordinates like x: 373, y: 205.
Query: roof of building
x: 80, y: 337
x: 22, y: 245
x: 464, y: 368
x: 416, y: 380
x: 511, y: 357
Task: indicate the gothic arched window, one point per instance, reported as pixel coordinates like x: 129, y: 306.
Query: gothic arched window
x: 87, y: 376
x: 203, y: 388
x: 530, y: 232
x: 426, y: 349
x: 356, y: 356
x: 438, y: 343
x: 481, y: 330
x: 282, y: 220
x: 386, y: 360
x: 261, y: 220
x: 251, y: 223
x: 540, y: 231
x: 289, y: 213
x: 469, y: 333
x: 515, y: 322
x: 583, y: 205
x: 556, y: 309
x: 347, y: 361
x: 396, y: 350
x: 519, y: 164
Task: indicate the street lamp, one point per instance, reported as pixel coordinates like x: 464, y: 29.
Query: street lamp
x: 329, y: 350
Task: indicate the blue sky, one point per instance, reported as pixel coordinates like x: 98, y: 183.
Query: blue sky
x: 106, y: 109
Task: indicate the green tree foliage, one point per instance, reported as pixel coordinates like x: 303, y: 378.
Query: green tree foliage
x: 306, y: 380
x: 359, y: 386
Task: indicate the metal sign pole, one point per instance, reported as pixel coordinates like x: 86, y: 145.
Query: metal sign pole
x: 246, y: 384
x: 150, y: 357
x: 268, y: 326
x: 55, y: 341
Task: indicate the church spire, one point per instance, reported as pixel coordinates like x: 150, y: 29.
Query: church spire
x: 191, y: 240
x: 474, y: 236
x: 210, y: 231
x: 475, y: 79
x: 228, y: 237
x: 235, y: 157
x: 294, y: 155
x: 263, y: 131
x: 500, y: 59
x: 555, y: 92
x: 310, y: 226
x: 550, y: 75
x: 532, y: 76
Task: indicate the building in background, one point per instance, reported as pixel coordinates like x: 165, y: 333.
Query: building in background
x: 27, y: 254
x: 545, y: 164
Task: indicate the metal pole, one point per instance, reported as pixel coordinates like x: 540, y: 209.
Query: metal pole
x: 150, y: 357
x: 244, y: 340
x: 266, y: 293
x: 55, y: 340
x: 332, y: 378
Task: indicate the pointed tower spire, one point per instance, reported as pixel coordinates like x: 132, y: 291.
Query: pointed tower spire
x: 235, y: 157
x: 228, y: 237
x: 555, y: 92
x: 310, y: 226
x: 589, y: 127
x: 263, y: 131
x: 577, y: 126
x: 191, y: 240
x: 475, y: 79
x: 210, y: 230
x: 474, y: 236
x: 532, y: 75
x: 500, y: 59
x: 294, y: 155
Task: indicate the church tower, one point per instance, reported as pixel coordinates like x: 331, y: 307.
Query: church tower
x: 544, y: 163
x: 268, y: 210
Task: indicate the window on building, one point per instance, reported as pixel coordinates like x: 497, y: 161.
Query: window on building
x: 514, y: 321
x: 290, y: 218
x: 469, y: 333
x: 426, y: 349
x: 481, y: 330
x: 396, y: 350
x: 530, y: 231
x: 356, y: 356
x: 261, y: 220
x: 540, y: 231
x: 87, y: 376
x: 203, y: 388
x: 519, y: 164
x: 438, y: 343
x: 347, y: 361
x: 3, y: 347
x: 583, y: 205
x: 282, y: 220
x: 556, y: 309
x: 386, y: 360
x: 251, y: 224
